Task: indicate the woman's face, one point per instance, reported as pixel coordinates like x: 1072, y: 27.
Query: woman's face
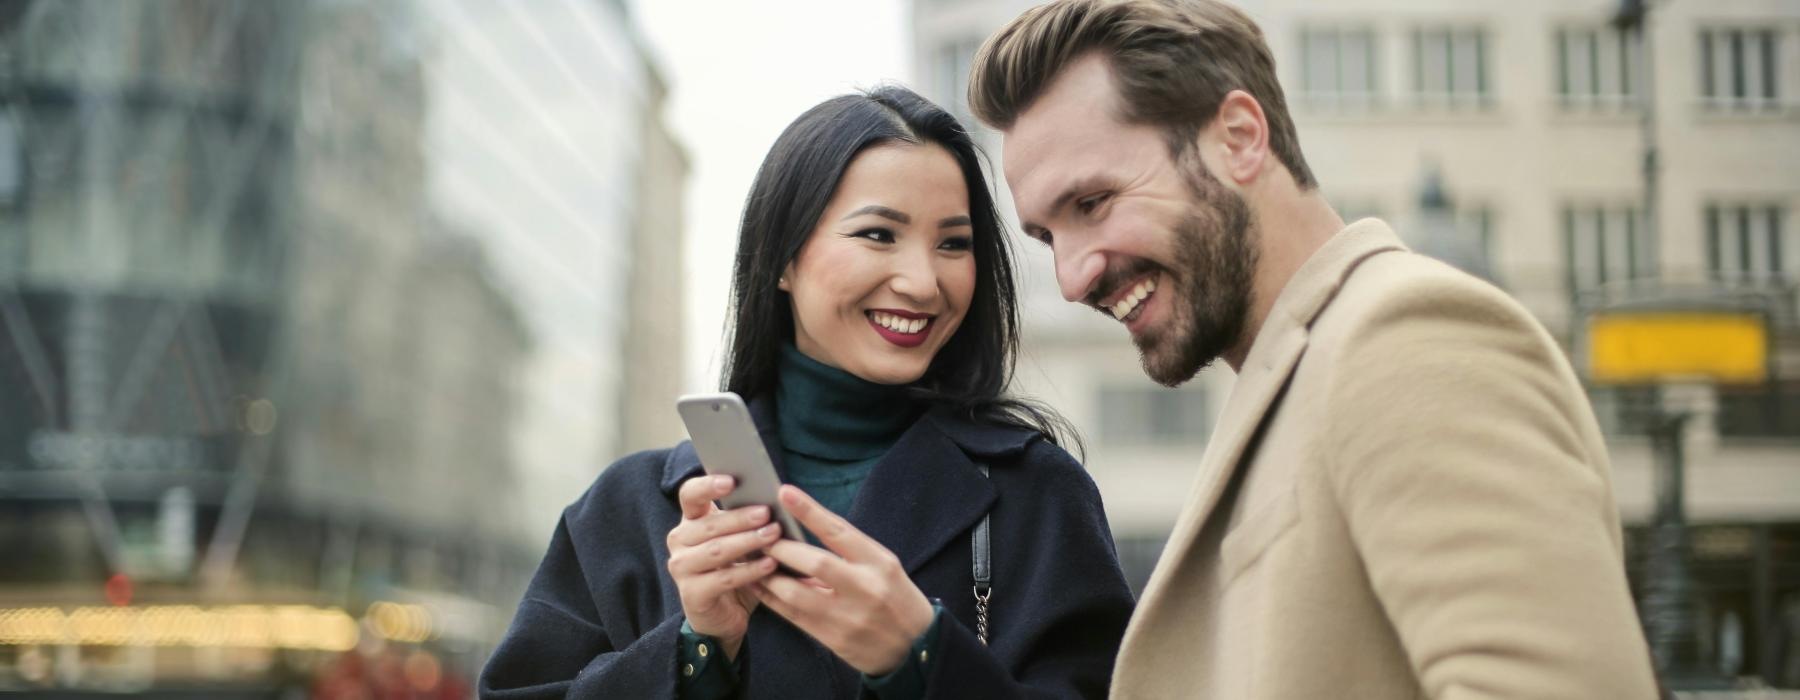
x: 886, y: 276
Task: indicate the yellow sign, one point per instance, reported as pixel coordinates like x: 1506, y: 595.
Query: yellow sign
x: 1635, y: 348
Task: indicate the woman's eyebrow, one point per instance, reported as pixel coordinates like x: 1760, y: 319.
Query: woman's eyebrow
x: 953, y: 221
x: 880, y: 211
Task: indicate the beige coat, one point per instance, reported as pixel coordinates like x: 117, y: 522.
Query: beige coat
x: 1406, y: 497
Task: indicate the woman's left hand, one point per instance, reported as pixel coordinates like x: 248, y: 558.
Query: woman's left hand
x: 856, y: 599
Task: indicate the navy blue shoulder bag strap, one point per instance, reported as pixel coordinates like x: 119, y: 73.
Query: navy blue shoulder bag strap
x: 983, y: 571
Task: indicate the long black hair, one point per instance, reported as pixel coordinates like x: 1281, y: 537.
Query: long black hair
x: 797, y: 179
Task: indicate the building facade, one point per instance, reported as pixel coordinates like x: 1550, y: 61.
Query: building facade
x: 1526, y: 117
x: 313, y: 317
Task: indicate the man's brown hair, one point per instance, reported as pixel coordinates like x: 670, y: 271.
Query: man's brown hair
x: 1172, y: 60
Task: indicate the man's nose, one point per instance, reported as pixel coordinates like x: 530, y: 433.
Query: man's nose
x: 1077, y: 269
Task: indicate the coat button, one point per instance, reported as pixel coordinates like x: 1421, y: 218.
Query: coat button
x: 703, y: 651
x: 924, y: 656
x: 687, y: 669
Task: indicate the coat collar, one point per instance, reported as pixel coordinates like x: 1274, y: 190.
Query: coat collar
x: 1273, y: 355
x: 927, y: 484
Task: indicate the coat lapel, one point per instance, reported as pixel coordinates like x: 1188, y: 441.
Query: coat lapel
x: 1273, y: 356
x: 923, y: 494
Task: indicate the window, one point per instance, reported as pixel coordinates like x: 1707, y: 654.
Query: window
x: 1606, y: 245
x: 1626, y: 410
x: 1460, y: 236
x: 1450, y: 66
x: 1738, y: 68
x: 1768, y: 411
x: 1338, y: 65
x: 12, y: 162
x: 1478, y: 221
x: 1595, y: 67
x: 1747, y: 243
x: 1151, y: 416
x: 952, y: 66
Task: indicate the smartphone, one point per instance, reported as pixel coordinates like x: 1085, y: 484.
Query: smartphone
x: 726, y: 440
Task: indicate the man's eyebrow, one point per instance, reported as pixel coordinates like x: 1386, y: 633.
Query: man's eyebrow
x: 1075, y: 188
x: 880, y: 211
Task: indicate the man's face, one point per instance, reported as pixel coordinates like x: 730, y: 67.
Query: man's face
x: 1158, y: 244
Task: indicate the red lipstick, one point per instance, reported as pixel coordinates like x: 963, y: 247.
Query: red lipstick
x: 905, y: 340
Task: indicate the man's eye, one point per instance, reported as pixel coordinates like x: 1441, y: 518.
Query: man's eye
x: 1044, y: 237
x: 879, y: 235
x: 1087, y: 205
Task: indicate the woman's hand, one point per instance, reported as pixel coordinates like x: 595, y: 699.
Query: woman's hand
x: 706, y: 552
x: 856, y: 599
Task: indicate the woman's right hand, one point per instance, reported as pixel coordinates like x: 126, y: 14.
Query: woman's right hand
x: 706, y: 560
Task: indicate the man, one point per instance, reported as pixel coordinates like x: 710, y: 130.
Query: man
x: 1407, y: 494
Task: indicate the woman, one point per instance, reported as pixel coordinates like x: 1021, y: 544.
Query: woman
x: 874, y: 331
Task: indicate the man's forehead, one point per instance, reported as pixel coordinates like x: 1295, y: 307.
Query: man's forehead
x: 1082, y: 90
x: 1071, y: 117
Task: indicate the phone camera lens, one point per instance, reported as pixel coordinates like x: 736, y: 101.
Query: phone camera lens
x: 715, y: 408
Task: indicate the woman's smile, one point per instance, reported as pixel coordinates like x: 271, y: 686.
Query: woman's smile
x: 903, y: 328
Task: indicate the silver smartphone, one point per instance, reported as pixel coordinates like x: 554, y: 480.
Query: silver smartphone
x: 726, y: 440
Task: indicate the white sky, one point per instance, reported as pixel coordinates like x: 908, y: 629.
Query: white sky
x: 738, y: 73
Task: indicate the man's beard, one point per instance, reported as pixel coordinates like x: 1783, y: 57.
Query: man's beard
x: 1215, y: 246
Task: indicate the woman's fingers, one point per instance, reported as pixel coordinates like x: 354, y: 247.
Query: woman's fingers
x: 855, y: 599
x: 813, y: 562
x: 711, y: 586
x: 798, y: 602
x: 724, y: 550
x: 697, y: 494
x: 719, y: 523
x: 836, y: 533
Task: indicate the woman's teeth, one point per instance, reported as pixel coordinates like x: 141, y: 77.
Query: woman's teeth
x: 896, y: 324
x: 1125, y: 306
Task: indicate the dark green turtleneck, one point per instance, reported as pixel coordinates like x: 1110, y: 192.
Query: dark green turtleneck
x: 835, y: 426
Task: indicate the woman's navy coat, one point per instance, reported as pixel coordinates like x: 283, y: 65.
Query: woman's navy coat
x: 601, y: 618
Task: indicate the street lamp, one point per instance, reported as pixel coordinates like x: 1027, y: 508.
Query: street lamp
x: 1630, y: 14
x: 1627, y: 348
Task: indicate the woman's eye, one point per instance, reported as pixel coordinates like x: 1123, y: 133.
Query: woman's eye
x: 957, y: 243
x: 879, y: 235
x: 1087, y: 205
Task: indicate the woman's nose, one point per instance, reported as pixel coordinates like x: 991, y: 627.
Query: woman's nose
x: 915, y: 278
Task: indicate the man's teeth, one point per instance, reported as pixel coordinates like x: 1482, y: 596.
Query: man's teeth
x: 1130, y: 302
x: 896, y: 324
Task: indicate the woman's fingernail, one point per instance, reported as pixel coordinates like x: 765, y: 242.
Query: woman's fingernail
x: 720, y: 483
x: 768, y: 531
x: 759, y: 514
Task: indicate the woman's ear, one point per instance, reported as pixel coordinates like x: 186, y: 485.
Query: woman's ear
x: 782, y: 284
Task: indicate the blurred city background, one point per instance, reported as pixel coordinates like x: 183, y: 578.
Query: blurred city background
x: 314, y: 314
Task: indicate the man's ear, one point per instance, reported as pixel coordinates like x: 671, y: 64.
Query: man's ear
x: 1239, y: 137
